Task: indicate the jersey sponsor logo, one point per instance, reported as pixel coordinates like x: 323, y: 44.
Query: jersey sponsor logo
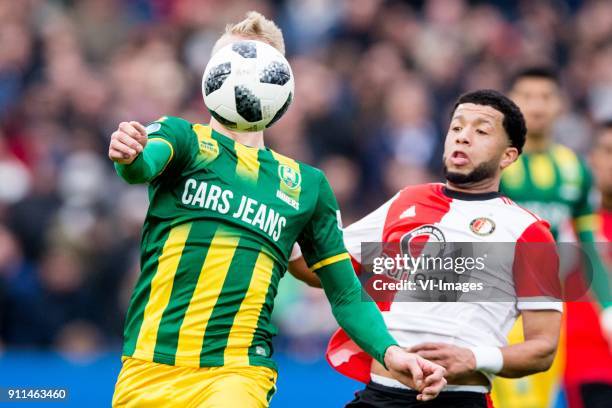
x: 284, y: 197
x: 482, y: 226
x: 208, y: 196
x: 409, y: 212
x: 427, y: 237
x: 153, y: 127
x: 209, y: 147
x: 289, y: 176
x: 266, y: 219
x: 214, y: 198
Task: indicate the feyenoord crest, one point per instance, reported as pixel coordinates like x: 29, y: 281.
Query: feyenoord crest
x: 482, y: 226
x: 289, y: 176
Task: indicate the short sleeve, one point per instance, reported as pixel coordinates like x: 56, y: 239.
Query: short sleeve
x: 178, y: 135
x: 536, y: 269
x: 321, y: 239
x: 367, y: 229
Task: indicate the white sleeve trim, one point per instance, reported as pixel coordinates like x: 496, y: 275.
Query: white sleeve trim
x: 539, y: 303
x: 296, y: 253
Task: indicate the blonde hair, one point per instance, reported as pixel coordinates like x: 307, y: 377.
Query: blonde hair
x: 256, y: 27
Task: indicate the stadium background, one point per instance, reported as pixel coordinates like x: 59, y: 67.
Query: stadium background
x: 374, y: 81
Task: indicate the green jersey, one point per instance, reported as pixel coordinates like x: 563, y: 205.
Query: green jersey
x: 221, y: 223
x: 555, y: 185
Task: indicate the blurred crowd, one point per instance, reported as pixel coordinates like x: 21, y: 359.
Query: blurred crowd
x: 375, y: 81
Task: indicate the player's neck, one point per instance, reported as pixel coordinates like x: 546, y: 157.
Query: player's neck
x: 537, y: 142
x: 484, y: 186
x: 251, y: 139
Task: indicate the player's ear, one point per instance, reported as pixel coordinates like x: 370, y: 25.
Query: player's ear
x: 508, y: 157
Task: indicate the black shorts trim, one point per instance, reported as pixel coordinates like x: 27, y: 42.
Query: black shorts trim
x: 596, y: 394
x: 380, y: 396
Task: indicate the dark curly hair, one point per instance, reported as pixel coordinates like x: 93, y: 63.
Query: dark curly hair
x: 514, y: 122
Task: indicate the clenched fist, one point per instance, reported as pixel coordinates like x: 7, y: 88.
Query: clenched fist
x: 416, y: 372
x: 458, y: 361
x: 127, y: 142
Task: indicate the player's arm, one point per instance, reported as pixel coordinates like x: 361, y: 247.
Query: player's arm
x: 141, y: 154
x: 360, y: 318
x: 299, y: 269
x: 325, y: 254
x: 137, y: 161
x: 535, y: 354
x: 538, y: 289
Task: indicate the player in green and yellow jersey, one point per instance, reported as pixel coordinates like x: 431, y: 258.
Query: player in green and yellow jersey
x: 223, y: 217
x: 550, y: 180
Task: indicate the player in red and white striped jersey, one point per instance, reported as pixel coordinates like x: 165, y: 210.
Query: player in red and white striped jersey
x: 587, y: 376
x: 486, y: 134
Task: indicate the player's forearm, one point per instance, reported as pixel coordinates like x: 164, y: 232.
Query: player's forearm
x: 358, y: 316
x: 147, y: 165
x: 299, y: 269
x: 526, y: 358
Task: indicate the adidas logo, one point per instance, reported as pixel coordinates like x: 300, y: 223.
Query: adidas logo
x: 409, y: 212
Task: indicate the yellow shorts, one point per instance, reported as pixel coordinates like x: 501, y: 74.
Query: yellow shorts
x: 147, y: 384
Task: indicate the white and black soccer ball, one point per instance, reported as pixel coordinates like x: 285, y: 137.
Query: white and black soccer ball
x: 247, y: 86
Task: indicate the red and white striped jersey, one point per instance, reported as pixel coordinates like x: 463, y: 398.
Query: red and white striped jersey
x: 451, y: 216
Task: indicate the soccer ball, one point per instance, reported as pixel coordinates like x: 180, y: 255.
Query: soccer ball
x: 247, y: 86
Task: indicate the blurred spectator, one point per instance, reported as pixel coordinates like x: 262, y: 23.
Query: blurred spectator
x: 342, y: 173
x: 78, y: 340
x: 57, y: 293
x: 14, y: 174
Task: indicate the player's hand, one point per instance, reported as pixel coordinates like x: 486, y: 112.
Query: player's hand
x: 415, y: 372
x: 458, y: 361
x: 127, y: 142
